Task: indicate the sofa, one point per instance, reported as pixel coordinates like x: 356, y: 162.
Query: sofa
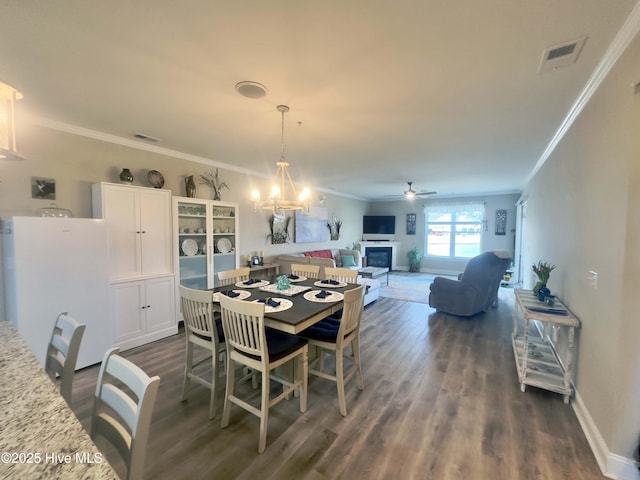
x: 343, y: 258
x: 475, y: 290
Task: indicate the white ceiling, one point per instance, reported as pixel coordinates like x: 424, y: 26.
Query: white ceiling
x: 445, y: 94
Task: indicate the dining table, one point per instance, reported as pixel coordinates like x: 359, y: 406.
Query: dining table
x: 307, y: 301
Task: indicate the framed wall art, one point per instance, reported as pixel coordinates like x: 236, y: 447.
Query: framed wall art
x: 501, y: 222
x: 43, y: 188
x: 411, y: 223
x: 311, y: 226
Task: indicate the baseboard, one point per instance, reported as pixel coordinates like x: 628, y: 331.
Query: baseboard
x: 611, y: 465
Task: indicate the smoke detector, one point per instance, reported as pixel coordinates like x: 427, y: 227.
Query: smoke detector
x: 561, y: 55
x: 251, y: 89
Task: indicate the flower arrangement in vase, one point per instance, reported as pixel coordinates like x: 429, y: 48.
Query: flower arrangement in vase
x: 213, y: 180
x: 542, y: 270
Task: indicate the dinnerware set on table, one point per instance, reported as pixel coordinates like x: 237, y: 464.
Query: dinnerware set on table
x: 284, y: 286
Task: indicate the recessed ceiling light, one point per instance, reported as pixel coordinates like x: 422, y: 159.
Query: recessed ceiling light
x: 251, y: 89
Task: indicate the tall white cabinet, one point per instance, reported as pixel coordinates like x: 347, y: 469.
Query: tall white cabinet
x: 205, y: 233
x: 141, y: 277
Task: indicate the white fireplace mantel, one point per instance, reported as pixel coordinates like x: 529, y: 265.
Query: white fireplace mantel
x: 394, y: 250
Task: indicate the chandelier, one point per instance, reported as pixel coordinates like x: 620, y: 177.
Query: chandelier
x: 8, y: 97
x: 282, y: 183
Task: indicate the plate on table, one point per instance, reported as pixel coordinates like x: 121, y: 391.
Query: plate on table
x: 190, y: 247
x: 284, y: 304
x: 332, y: 297
x: 257, y: 284
x: 155, y: 179
x: 300, y: 278
x: 242, y: 294
x: 224, y: 245
x: 321, y: 284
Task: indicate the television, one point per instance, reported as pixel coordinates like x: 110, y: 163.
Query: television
x: 380, y: 224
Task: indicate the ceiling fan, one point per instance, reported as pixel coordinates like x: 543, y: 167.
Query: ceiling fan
x: 411, y: 193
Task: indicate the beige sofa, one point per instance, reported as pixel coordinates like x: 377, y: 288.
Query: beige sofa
x: 330, y: 258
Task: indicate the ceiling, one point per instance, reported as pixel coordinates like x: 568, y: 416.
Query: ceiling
x: 444, y: 94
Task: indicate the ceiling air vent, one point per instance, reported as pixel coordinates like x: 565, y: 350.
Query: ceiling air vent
x: 561, y: 55
x: 142, y: 136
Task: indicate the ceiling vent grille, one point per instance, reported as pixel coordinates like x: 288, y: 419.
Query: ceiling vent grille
x: 561, y: 55
x: 148, y: 138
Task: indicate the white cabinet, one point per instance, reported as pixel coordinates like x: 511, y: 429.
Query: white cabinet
x: 144, y: 311
x: 138, y: 229
x: 139, y: 233
x: 206, y: 234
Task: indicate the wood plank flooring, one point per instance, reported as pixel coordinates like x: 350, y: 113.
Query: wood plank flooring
x: 441, y: 401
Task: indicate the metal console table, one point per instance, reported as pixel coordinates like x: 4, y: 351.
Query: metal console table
x: 537, y: 360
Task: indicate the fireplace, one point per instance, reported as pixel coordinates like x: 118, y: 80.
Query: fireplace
x: 379, y: 256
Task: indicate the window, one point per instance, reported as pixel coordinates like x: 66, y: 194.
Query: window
x: 454, y: 230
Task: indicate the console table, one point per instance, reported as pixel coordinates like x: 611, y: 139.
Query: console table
x: 537, y: 360
x: 266, y: 270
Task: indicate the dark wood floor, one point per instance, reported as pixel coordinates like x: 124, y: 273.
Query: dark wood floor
x: 441, y: 401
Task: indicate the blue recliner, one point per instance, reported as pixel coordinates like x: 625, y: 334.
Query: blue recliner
x: 475, y: 290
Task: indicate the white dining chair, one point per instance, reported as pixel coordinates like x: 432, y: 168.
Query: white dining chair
x: 203, y: 329
x: 230, y: 277
x: 62, y: 352
x: 334, y: 336
x: 309, y: 271
x: 341, y: 274
x: 251, y: 345
x: 128, y: 431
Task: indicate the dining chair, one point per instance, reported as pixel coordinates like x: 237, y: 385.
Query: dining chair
x: 260, y: 349
x: 309, y: 271
x: 341, y: 274
x: 62, y: 352
x: 333, y: 336
x: 203, y: 328
x: 230, y: 277
x: 129, y: 430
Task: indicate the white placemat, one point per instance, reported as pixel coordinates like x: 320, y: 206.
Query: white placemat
x: 242, y: 294
x: 259, y: 284
x: 300, y: 278
x: 320, y: 284
x: 285, y: 304
x: 332, y: 297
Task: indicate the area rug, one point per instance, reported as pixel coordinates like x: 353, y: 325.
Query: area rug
x: 411, y: 287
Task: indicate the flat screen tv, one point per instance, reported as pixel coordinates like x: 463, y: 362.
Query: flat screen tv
x: 382, y: 224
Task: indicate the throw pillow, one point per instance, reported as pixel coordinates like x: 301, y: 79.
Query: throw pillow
x: 348, y: 261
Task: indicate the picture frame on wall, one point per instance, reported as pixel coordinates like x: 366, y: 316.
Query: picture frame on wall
x: 43, y: 188
x: 411, y: 223
x: 501, y: 222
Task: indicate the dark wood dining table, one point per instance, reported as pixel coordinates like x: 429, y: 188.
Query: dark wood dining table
x: 303, y: 313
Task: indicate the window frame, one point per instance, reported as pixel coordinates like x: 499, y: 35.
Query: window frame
x: 454, y: 209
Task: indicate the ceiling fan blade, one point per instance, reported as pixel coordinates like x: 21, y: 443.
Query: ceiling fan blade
x: 426, y: 193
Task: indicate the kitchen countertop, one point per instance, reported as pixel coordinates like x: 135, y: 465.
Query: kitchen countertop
x: 41, y: 437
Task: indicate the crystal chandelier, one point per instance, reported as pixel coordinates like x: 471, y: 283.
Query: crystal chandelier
x: 282, y: 182
x: 8, y: 97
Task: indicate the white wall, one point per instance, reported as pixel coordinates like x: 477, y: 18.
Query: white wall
x: 491, y: 241
x: 76, y: 162
x: 584, y: 215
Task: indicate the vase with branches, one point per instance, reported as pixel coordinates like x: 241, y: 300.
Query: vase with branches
x: 279, y: 228
x: 213, y: 180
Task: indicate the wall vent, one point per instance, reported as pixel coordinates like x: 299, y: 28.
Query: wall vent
x: 561, y: 55
x: 148, y: 138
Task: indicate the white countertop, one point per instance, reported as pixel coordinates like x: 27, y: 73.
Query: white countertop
x: 41, y: 437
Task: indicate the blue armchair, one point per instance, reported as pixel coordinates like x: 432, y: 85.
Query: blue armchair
x: 475, y: 290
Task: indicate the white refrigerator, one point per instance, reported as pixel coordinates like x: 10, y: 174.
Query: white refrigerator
x: 55, y: 265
